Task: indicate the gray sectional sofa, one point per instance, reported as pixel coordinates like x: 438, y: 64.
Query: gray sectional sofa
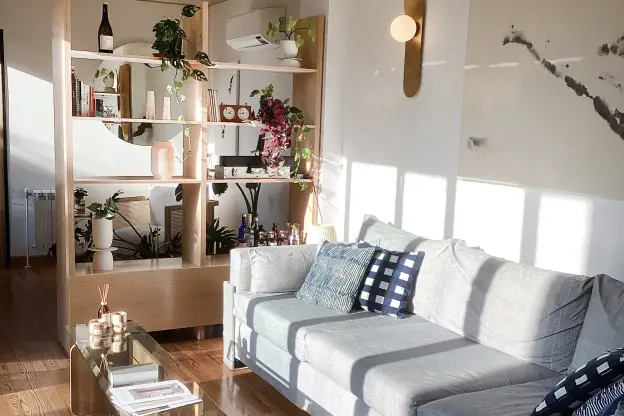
x: 484, y: 336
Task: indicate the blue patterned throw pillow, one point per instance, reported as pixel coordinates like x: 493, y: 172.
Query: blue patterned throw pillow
x: 389, y: 281
x: 335, y: 277
x: 601, y: 400
x: 578, y: 387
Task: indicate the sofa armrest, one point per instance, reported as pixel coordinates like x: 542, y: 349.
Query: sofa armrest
x: 240, y: 264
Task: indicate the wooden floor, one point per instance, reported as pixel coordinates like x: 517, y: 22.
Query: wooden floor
x: 34, y: 370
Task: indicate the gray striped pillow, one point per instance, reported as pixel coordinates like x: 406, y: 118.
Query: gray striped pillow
x: 335, y: 277
x: 601, y: 400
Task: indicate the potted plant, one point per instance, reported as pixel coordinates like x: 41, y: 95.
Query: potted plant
x: 219, y: 240
x: 79, y: 202
x: 108, y: 77
x: 169, y: 42
x: 281, y: 123
x: 103, y: 222
x: 293, y: 40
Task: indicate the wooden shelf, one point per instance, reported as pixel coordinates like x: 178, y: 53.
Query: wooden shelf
x: 133, y: 266
x: 259, y: 180
x: 107, y: 180
x: 218, y: 65
x: 136, y: 120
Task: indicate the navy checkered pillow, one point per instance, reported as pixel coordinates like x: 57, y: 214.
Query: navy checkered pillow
x: 580, y: 386
x: 389, y: 281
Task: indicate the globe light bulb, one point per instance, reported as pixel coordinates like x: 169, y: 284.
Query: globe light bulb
x: 403, y: 28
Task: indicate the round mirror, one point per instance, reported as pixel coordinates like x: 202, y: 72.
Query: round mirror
x: 137, y: 91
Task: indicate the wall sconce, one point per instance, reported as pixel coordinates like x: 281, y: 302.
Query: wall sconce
x: 409, y: 28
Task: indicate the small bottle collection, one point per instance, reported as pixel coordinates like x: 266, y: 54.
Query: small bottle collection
x: 252, y: 234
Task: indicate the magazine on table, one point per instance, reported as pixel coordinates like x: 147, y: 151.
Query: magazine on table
x: 149, y: 398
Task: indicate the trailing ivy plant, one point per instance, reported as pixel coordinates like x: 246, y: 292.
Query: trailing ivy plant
x: 170, y: 39
x: 287, y: 26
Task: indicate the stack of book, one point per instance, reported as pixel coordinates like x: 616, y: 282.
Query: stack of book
x: 151, y: 398
x: 214, y: 114
x: 83, y: 98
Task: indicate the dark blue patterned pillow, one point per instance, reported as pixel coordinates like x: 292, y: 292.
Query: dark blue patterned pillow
x: 389, y: 281
x: 580, y: 386
x: 601, y: 400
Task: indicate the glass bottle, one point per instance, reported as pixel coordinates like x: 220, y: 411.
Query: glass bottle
x: 283, y: 238
x: 103, y: 310
x: 256, y: 231
x: 294, y: 238
x: 249, y: 232
x: 272, y: 239
x: 241, y: 230
x: 262, y: 239
x: 105, y: 33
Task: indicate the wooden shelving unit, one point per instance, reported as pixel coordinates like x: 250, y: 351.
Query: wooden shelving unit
x: 167, y: 293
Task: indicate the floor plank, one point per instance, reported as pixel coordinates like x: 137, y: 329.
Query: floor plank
x: 34, y: 370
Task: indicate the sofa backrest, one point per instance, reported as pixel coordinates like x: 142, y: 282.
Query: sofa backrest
x: 532, y: 314
x: 603, y: 328
x: 424, y: 296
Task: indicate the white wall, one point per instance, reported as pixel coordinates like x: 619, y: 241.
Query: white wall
x: 397, y: 158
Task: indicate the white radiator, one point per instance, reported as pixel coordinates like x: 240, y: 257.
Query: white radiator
x: 40, y: 226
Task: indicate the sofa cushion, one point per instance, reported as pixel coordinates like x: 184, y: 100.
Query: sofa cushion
x: 603, y: 328
x: 602, y: 400
x: 389, y: 281
x: 335, y: 277
x: 274, y: 272
x: 516, y: 400
x: 402, y: 364
x: 529, y: 313
x: 578, y: 387
x: 429, y: 280
x: 285, y: 320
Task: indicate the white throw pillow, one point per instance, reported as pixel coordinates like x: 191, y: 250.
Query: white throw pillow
x: 278, y: 272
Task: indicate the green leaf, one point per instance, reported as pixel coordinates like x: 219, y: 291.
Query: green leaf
x: 164, y: 66
x: 178, y: 193
x: 170, y: 89
x: 179, y: 84
x: 254, y: 93
x: 295, y: 110
x: 307, y: 129
x: 181, y: 118
x: 203, y: 58
x: 182, y: 98
x: 190, y: 10
x: 290, y: 24
x: 219, y: 188
x: 299, y: 40
x: 187, y: 132
x: 306, y: 153
x: 94, y: 207
x: 312, y: 33
x: 273, y: 30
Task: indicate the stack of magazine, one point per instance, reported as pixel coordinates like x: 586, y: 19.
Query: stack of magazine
x: 150, y: 398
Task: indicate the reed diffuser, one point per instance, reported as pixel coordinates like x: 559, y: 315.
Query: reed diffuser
x: 103, y: 310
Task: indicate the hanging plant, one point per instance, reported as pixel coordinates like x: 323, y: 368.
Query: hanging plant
x: 281, y: 123
x: 170, y: 39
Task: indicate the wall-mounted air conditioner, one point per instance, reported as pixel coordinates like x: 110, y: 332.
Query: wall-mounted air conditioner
x: 247, y: 32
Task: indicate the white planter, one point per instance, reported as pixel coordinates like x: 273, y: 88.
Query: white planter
x: 108, y: 83
x: 103, y: 260
x: 102, y: 234
x: 289, y: 49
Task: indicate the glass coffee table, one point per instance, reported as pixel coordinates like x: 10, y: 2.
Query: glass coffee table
x: 92, y: 357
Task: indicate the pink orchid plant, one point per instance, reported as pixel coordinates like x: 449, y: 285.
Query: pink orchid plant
x: 281, y: 123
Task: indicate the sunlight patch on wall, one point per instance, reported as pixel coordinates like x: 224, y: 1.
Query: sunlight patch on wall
x: 491, y: 217
x: 424, y: 205
x: 373, y: 191
x: 564, y: 229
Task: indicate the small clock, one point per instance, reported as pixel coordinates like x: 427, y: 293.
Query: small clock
x: 243, y: 114
x: 228, y: 113
x: 235, y: 113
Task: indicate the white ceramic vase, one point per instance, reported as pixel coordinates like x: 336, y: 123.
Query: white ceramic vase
x: 103, y: 260
x: 289, y: 49
x: 150, y: 106
x: 163, y: 158
x: 102, y: 234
